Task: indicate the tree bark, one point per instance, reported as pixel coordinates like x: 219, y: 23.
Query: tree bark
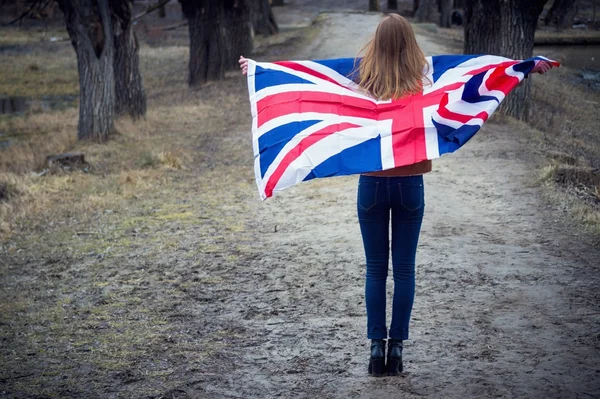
x: 207, y: 44
x: 392, y: 4
x: 90, y: 29
x: 446, y: 13
x: 237, y: 30
x: 519, y: 21
x: 373, y: 5
x: 561, y: 14
x: 482, y: 27
x: 263, y: 20
x: 507, y: 28
x: 427, y: 11
x: 129, y: 88
x: 219, y: 33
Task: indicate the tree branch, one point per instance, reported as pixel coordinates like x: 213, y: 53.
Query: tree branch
x: 37, y: 4
x: 173, y: 27
x: 152, y: 9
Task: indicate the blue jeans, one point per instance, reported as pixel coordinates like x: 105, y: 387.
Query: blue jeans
x: 405, y: 198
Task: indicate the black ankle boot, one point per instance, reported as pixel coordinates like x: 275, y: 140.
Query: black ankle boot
x: 377, y: 360
x: 394, y: 357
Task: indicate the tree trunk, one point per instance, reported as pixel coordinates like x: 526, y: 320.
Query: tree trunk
x: 263, y: 20
x: 482, y: 27
x: 561, y: 14
x: 507, y: 28
x: 519, y: 21
x: 373, y: 5
x: 237, y: 30
x: 162, y: 11
x: 427, y: 11
x: 446, y: 13
x: 90, y: 29
x: 392, y: 4
x: 207, y: 44
x: 129, y: 89
x: 277, y: 3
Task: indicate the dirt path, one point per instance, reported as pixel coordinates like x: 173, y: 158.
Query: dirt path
x: 506, y: 305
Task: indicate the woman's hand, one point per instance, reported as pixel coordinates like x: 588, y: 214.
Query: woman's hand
x: 541, y: 67
x: 243, y: 64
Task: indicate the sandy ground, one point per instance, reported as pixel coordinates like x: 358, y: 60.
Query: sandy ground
x: 203, y: 291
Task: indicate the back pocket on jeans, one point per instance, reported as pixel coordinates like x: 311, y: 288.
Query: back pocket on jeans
x: 411, y: 196
x: 367, y: 195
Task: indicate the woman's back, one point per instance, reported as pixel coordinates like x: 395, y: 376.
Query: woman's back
x: 393, y: 66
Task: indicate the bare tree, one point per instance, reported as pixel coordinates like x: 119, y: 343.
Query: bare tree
x: 427, y: 11
x: 373, y: 5
x: 445, y: 13
x: 207, y: 45
x: 507, y: 28
x: 90, y: 30
x: 129, y: 88
x: 561, y: 14
x: 219, y: 33
x: 482, y: 27
x: 262, y: 17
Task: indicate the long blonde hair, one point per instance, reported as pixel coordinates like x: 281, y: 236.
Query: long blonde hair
x: 393, y: 65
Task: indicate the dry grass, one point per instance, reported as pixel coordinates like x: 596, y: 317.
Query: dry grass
x: 138, y: 161
x: 35, y: 137
x: 108, y: 244
x: 15, y: 35
x: 38, y: 69
x: 129, y: 165
x: 567, y: 113
x: 576, y: 191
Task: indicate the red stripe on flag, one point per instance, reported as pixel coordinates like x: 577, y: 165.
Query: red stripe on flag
x: 281, y: 104
x: 444, y: 112
x: 299, y: 149
x: 499, y: 80
x: 408, y: 126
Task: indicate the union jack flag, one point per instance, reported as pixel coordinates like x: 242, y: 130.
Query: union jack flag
x: 309, y: 118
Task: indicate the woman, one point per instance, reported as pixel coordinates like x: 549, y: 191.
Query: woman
x: 393, y: 66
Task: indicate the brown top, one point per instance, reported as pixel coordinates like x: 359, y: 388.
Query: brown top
x: 408, y: 170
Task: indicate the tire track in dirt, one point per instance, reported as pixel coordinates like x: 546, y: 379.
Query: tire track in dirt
x: 502, y: 308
